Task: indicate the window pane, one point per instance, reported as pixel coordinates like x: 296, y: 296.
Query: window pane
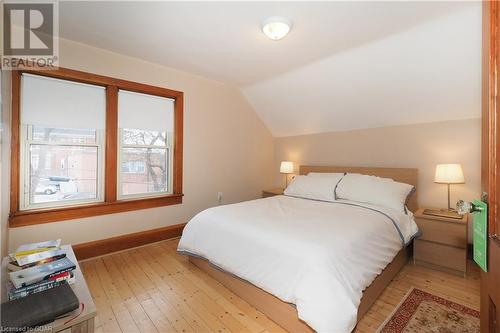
x: 144, y: 170
x: 62, y: 173
x: 63, y: 135
x: 146, y: 124
x: 134, y: 167
x: 144, y: 138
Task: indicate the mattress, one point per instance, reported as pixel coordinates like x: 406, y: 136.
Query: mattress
x: 317, y: 255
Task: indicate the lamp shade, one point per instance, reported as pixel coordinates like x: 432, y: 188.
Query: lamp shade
x: 449, y: 174
x: 286, y: 167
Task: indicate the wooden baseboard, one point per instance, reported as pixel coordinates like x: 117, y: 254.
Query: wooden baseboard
x: 119, y: 243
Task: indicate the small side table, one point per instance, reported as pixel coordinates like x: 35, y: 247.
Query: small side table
x: 442, y: 244
x: 84, y: 323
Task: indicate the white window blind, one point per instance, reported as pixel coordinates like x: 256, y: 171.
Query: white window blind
x: 146, y: 112
x: 61, y: 104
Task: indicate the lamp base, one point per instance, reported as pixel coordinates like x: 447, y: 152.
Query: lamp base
x: 448, y: 213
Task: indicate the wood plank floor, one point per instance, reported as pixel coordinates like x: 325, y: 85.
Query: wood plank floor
x: 153, y: 289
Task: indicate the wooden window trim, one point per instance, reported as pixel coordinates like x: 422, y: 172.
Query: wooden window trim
x: 18, y: 218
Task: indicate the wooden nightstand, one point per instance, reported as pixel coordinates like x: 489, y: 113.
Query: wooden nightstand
x: 82, y: 318
x: 442, y: 244
x: 272, y: 192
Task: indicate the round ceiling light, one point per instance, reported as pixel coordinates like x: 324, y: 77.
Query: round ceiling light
x: 276, y: 27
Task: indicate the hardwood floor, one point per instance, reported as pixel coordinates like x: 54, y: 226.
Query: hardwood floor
x: 153, y: 289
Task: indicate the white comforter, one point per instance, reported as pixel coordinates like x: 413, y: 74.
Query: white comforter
x: 317, y: 255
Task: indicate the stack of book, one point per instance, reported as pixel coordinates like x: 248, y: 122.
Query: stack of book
x: 37, y: 267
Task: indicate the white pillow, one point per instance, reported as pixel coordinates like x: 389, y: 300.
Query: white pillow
x: 374, y: 190
x: 316, y: 188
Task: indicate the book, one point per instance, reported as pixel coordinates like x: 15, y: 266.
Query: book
x: 38, y: 257
x: 32, y: 248
x: 63, y: 276
x: 28, y: 252
x: 14, y: 266
x: 37, y: 309
x: 59, y: 276
x: 40, y: 245
x: 28, y: 276
x: 14, y: 293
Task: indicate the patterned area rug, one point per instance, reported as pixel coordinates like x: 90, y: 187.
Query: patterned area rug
x: 421, y: 312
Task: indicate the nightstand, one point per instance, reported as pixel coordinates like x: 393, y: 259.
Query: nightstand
x: 442, y: 244
x: 272, y: 192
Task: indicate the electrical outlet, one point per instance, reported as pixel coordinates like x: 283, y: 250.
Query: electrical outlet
x: 219, y: 197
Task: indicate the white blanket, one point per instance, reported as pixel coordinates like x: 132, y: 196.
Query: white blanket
x: 317, y: 255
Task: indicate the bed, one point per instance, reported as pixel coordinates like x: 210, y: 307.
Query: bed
x: 308, y: 265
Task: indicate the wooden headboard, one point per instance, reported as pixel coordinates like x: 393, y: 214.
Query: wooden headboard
x: 402, y: 175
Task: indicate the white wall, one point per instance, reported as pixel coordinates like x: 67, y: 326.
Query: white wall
x: 425, y: 73
x: 419, y: 146
x: 4, y: 157
x: 227, y: 148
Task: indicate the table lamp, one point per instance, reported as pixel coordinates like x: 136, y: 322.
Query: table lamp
x: 286, y: 168
x: 449, y: 174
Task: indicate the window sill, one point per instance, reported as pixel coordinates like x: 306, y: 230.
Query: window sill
x: 40, y: 216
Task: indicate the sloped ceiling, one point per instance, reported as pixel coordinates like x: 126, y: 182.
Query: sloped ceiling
x: 344, y: 65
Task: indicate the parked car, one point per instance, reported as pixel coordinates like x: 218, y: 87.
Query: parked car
x: 46, y: 188
x: 52, y: 184
x: 59, y: 179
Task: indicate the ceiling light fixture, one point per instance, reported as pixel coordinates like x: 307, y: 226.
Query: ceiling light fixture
x: 276, y: 27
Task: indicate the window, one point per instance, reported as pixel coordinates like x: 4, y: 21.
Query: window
x: 63, y: 182
x: 85, y: 145
x: 61, y: 148
x: 133, y: 167
x: 146, y: 125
